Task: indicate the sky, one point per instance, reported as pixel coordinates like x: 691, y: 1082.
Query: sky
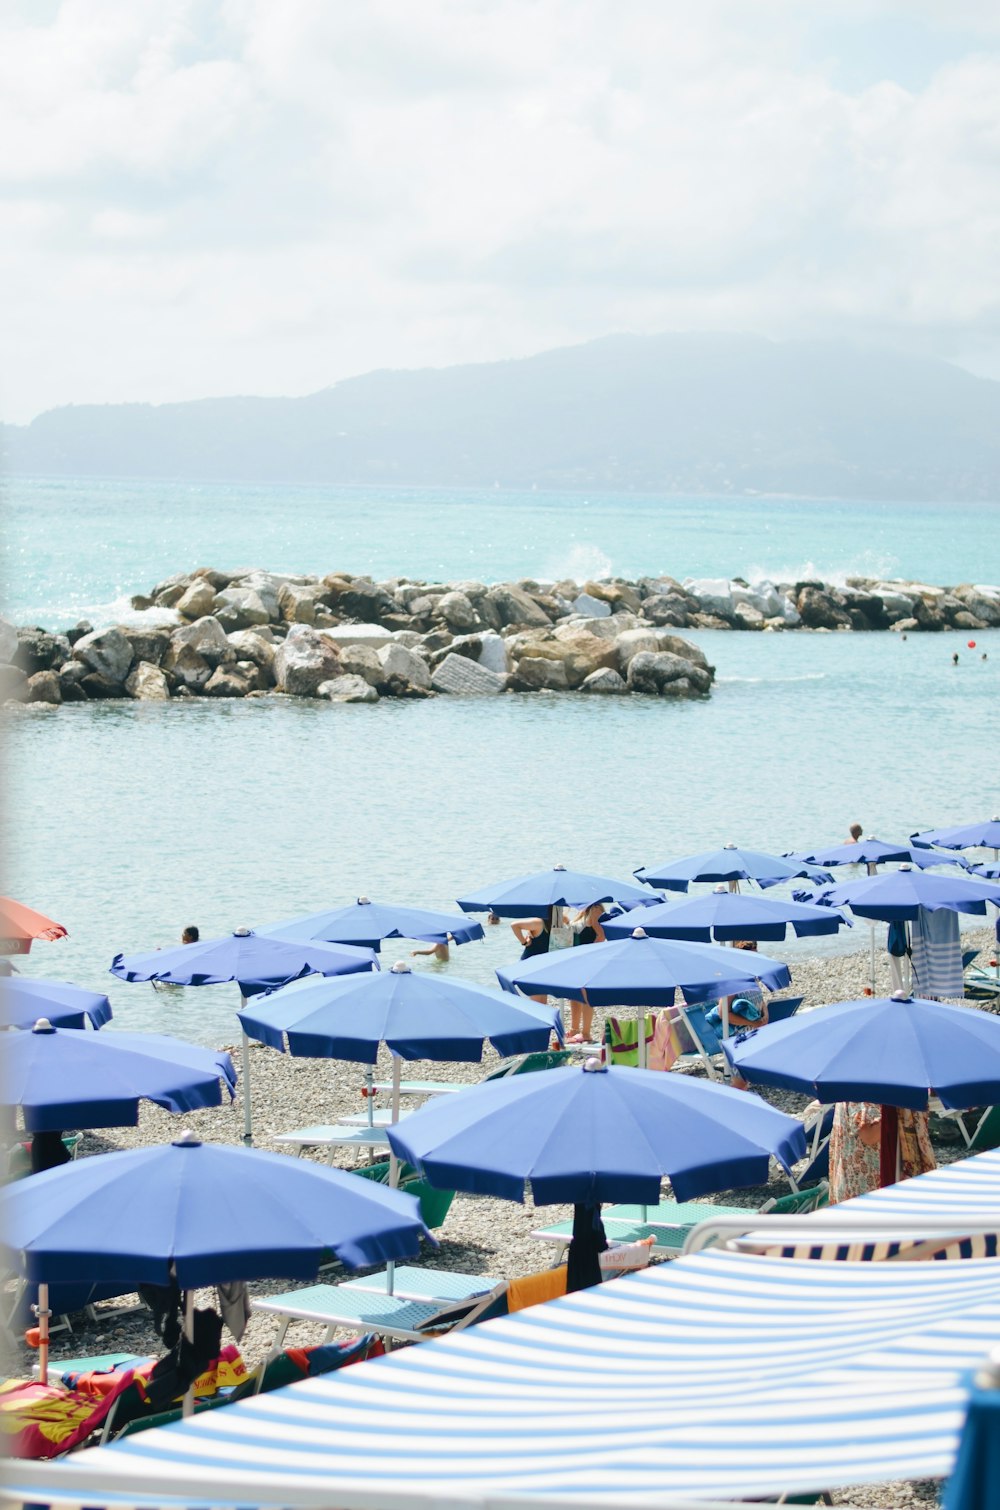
x: 207, y: 197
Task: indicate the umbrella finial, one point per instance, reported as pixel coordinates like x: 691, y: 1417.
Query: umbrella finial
x: 730, y: 845
x: 242, y: 933
x: 187, y: 1139
x: 593, y: 1066
x: 639, y: 933
x: 906, y: 867
x: 364, y: 902
x: 43, y: 1026
x: 722, y: 890
x: 558, y: 867
x: 400, y: 968
x: 901, y: 996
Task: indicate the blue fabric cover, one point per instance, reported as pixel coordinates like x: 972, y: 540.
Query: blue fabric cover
x: 367, y: 923
x: 582, y: 1136
x: 725, y: 915
x: 255, y: 961
x: 418, y: 1016
x: 528, y: 896
x: 727, y: 864
x: 24, y: 1000
x: 897, y: 896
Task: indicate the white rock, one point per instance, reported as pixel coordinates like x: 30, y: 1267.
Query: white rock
x: 372, y: 635
x: 605, y: 681
x: 347, y: 689
x: 404, y: 665
x: 714, y: 594
x: 206, y: 636
x: 629, y: 644
x: 458, y: 612
x: 304, y: 661
x: 493, y: 653
x: 464, y: 678
x: 589, y: 607
x: 198, y: 599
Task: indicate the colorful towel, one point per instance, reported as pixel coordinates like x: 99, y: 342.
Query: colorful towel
x: 937, y: 954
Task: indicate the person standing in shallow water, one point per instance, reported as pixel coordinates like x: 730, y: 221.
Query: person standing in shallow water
x: 534, y: 934
x: 191, y: 935
x: 854, y: 834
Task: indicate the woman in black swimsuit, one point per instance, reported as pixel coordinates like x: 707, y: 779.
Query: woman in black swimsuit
x: 533, y: 935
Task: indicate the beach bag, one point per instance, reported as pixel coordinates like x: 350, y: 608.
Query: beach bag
x: 624, y: 1257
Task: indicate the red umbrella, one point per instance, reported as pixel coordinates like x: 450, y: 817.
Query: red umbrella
x: 20, y: 926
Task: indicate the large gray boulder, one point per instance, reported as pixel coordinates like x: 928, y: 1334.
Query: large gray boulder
x: 457, y: 612
x: 233, y: 681
x: 240, y: 608
x: 184, y: 667
x: 539, y: 673
x: 684, y: 648
x: 12, y: 683
x: 361, y: 599
x: 303, y: 661
x: 38, y: 650
x: 205, y: 636
x: 298, y: 604
x: 665, y: 675
x: 605, y: 682
x: 196, y: 600
x: 348, y: 689
x: 147, y: 683
x: 71, y: 679
x: 43, y: 687
x: 461, y: 677
x: 514, y: 606
x: 371, y: 635
x: 106, y: 653
x: 266, y: 586
x: 632, y: 642
x: 402, y: 669
x: 361, y: 660
x: 714, y: 595
x: 147, y: 644
x: 251, y: 645
x: 669, y: 609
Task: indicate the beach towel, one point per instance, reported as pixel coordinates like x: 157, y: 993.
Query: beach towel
x: 936, y: 954
x: 665, y: 1039
x: 534, y: 1288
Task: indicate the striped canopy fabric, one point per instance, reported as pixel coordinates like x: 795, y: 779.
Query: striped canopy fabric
x: 965, y: 1192
x: 721, y: 1375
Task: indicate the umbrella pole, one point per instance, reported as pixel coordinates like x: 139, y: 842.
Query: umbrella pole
x: 390, y: 1268
x: 245, y: 1065
x: 370, y: 1094
x: 188, y: 1406
x: 43, y: 1333
x: 888, y: 1147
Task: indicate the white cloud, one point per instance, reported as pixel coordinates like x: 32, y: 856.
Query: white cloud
x: 214, y: 196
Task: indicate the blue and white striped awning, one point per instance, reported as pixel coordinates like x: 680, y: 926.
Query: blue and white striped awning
x: 720, y: 1375
x: 961, y: 1199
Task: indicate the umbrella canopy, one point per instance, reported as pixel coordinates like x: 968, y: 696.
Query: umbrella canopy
x: 731, y: 863
x: 368, y: 923
x: 868, y: 851
x: 987, y: 872
x: 590, y: 1134
x: 20, y: 926
x: 62, y: 1078
x: 255, y: 961
x: 897, y: 896
x: 200, y: 1213
x: 528, y: 896
x: 975, y: 1479
x: 417, y: 1016
x: 23, y: 1001
x: 984, y: 835
x: 894, y: 1050
x: 639, y: 971
x: 724, y: 914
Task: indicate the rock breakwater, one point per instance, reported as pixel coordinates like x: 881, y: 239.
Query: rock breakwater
x: 345, y: 638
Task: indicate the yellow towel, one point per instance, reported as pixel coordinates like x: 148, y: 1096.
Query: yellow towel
x: 534, y: 1288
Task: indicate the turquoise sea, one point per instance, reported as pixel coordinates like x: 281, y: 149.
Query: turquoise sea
x: 127, y: 822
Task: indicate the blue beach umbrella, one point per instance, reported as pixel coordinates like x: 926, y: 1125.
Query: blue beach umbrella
x: 198, y: 1214
x: 985, y: 872
x: 255, y: 961
x: 730, y: 864
x: 870, y: 851
x: 23, y: 1001
x: 897, y: 896
x: 528, y: 896
x: 417, y: 1016
x: 587, y: 1135
x: 64, y: 1078
x: 640, y: 971
x: 725, y: 915
x: 984, y: 835
x: 896, y: 1050
x: 368, y: 923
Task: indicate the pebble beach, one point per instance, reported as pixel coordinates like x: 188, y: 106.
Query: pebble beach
x: 480, y: 1235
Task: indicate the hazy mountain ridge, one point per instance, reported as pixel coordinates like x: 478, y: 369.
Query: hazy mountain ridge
x: 673, y: 413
